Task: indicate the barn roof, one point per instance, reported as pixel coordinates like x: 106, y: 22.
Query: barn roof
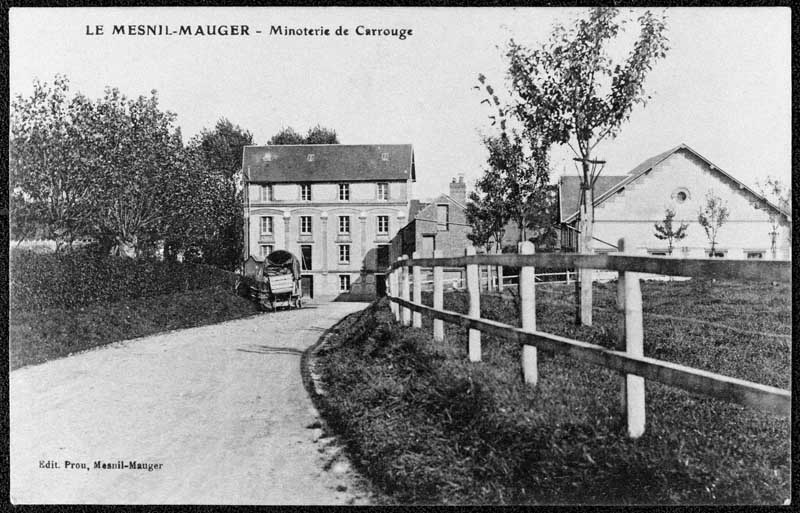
x: 328, y: 163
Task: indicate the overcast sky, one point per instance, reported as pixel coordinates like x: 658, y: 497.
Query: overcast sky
x: 724, y: 88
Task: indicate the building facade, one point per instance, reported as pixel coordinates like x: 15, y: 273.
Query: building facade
x: 335, y: 206
x: 439, y: 224
x: 629, y: 205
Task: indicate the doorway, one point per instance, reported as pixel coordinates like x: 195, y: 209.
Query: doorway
x: 380, y: 285
x: 307, y: 284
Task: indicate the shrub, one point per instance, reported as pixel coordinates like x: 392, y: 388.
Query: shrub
x: 67, y: 280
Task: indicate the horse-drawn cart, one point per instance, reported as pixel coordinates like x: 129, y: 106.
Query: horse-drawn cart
x: 276, y: 282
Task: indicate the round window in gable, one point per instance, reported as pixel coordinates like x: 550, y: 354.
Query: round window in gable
x: 680, y: 195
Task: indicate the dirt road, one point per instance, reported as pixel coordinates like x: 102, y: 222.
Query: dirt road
x: 209, y: 415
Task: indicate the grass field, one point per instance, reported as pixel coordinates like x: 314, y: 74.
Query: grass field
x: 38, y: 336
x: 428, y: 426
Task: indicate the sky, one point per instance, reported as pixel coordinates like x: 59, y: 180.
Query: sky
x: 724, y: 87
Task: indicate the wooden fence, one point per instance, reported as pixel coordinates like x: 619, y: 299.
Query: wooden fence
x: 628, y: 359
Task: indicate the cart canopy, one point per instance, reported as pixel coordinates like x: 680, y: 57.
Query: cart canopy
x: 285, y: 260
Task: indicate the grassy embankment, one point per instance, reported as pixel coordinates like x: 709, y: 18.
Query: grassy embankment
x: 428, y: 426
x: 66, y: 303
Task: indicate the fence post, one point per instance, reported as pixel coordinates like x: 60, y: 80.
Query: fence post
x: 634, y: 345
x: 621, y: 327
x: 527, y: 313
x: 499, y: 273
x: 438, y: 297
x: 416, y: 317
x: 473, y: 287
x: 405, y: 289
x: 393, y: 293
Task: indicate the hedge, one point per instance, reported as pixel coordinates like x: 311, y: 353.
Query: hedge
x: 77, y: 278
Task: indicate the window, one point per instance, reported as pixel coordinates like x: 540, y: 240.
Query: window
x: 305, y: 192
x: 344, y: 283
x: 442, y: 218
x: 266, y: 192
x: 344, y: 224
x: 266, y: 225
x: 344, y: 253
x: 311, y: 157
x: 655, y: 252
x: 305, y: 257
x: 680, y: 195
x: 265, y: 249
x: 754, y: 255
x: 344, y: 192
x: 305, y: 225
x: 383, y: 191
x: 383, y: 225
x: 717, y: 254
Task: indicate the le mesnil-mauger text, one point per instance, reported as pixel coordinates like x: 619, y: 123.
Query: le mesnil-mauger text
x: 244, y: 30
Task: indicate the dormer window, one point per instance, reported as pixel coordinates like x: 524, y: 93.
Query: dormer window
x: 344, y: 192
x: 384, y: 157
x: 311, y: 157
x: 267, y: 157
x: 305, y: 192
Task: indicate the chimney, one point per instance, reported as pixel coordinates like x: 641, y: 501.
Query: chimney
x: 458, y: 189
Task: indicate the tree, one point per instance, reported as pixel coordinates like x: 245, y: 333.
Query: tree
x: 666, y: 231
x: 571, y: 92
x: 316, y: 135
x: 222, y: 147
x: 144, y: 193
x: 220, y: 150
x: 485, y: 211
x: 50, y: 188
x: 773, y: 191
x: 518, y: 171
x: 321, y: 135
x: 711, y: 217
x: 287, y: 136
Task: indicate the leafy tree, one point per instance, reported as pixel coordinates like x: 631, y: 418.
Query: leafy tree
x: 50, y: 188
x: 287, y: 136
x: 711, y: 217
x: 485, y: 211
x: 773, y: 191
x: 316, y: 135
x: 142, y: 194
x: 321, y: 135
x: 542, y: 216
x: 666, y: 231
x: 222, y: 147
x: 518, y: 174
x: 221, y: 152
x: 571, y: 92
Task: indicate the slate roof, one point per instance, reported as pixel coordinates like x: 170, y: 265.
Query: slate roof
x: 606, y: 186
x: 569, y: 192
x: 331, y: 163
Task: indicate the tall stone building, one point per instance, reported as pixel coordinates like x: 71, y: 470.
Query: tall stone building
x: 335, y: 206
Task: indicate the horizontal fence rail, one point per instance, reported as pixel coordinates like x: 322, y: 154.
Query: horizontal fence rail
x: 628, y: 359
x: 760, y: 270
x: 761, y: 397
